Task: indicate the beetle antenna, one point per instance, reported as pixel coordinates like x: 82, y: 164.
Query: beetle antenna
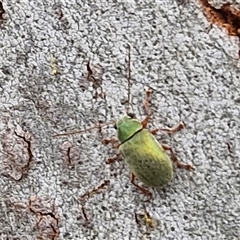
x: 99, y: 126
x: 129, y: 78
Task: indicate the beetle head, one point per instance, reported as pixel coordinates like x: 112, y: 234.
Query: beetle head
x: 130, y: 115
x: 127, y: 126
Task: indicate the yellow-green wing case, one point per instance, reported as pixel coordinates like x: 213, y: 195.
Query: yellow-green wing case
x: 147, y: 159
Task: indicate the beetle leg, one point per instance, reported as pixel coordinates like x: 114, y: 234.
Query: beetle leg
x: 114, y: 159
x: 146, y: 106
x: 143, y: 190
x: 145, y: 121
x: 177, y: 128
x: 175, y: 160
x: 115, y: 144
x: 113, y: 141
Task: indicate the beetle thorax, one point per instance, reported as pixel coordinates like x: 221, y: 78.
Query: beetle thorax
x: 127, y: 127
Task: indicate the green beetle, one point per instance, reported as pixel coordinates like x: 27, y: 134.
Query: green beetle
x: 146, y: 158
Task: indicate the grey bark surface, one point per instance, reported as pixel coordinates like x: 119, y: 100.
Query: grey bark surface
x: 193, y: 69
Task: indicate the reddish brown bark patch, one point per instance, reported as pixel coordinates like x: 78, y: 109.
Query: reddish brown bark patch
x: 227, y: 16
x: 47, y: 224
x: 18, y: 155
